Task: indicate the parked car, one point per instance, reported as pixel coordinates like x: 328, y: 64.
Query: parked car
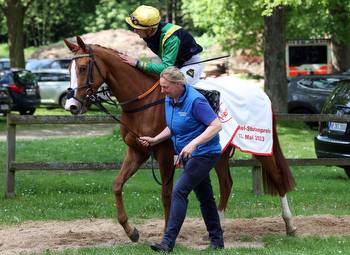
x: 53, y: 84
x: 5, y: 100
x: 36, y: 64
x: 307, y: 94
x: 4, y: 64
x: 333, y: 140
x: 23, y: 89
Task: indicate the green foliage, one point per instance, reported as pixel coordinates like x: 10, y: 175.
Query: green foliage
x: 4, y: 50
x: 44, y: 24
x: 236, y: 24
x: 333, y: 20
x: 110, y: 14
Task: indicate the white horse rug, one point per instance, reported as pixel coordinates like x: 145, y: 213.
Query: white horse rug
x: 245, y: 114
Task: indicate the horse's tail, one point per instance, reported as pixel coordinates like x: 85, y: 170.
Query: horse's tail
x: 286, y: 182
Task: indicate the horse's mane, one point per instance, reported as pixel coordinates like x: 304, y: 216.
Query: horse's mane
x: 106, y: 48
x: 116, y: 52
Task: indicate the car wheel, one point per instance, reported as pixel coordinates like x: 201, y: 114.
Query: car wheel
x: 63, y: 100
x: 347, y: 170
x: 27, y: 111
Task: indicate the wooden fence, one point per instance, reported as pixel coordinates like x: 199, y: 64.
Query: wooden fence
x: 12, y: 166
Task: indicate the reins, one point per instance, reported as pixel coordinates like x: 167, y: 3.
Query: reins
x: 96, y: 100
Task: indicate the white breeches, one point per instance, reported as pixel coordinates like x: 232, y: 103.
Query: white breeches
x: 192, y: 72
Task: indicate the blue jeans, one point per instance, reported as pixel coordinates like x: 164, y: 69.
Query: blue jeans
x: 194, y: 177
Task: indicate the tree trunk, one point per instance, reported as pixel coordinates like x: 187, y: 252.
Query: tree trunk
x: 341, y: 53
x: 341, y: 47
x: 170, y: 9
x: 274, y: 60
x: 14, y: 12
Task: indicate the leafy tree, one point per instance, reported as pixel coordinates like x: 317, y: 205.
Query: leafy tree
x: 237, y: 24
x: 255, y: 25
x: 333, y: 21
x: 44, y: 24
x: 14, y: 11
x: 111, y: 14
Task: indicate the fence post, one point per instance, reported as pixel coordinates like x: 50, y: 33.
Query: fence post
x: 257, y: 180
x: 11, y: 156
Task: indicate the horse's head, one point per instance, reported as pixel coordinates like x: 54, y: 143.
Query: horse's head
x: 87, y: 75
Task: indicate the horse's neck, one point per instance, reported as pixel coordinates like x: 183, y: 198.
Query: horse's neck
x: 125, y: 81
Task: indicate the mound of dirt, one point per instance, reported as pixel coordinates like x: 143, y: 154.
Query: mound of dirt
x: 118, y: 39
x: 38, y: 236
x: 131, y: 44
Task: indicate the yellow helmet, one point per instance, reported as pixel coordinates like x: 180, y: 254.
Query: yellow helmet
x: 144, y: 17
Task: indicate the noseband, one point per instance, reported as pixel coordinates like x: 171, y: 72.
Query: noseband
x: 90, y: 94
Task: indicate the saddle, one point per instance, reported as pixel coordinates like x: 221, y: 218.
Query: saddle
x: 213, y: 97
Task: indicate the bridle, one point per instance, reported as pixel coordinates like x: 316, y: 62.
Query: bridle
x: 92, y: 97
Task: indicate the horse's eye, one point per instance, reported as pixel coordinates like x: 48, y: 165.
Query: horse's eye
x: 82, y: 69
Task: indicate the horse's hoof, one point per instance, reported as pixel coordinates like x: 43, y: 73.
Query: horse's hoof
x: 292, y: 232
x: 135, y: 236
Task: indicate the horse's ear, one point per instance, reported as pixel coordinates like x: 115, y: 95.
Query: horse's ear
x: 73, y: 47
x: 81, y: 43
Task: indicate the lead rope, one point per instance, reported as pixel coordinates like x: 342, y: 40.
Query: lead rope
x: 97, y: 102
x: 154, y: 174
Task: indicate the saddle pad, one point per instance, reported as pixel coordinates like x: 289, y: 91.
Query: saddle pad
x: 213, y: 97
x: 245, y: 113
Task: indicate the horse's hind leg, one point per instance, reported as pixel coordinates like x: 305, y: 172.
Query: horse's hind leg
x: 131, y: 163
x: 287, y: 216
x: 225, y: 181
x: 277, y: 182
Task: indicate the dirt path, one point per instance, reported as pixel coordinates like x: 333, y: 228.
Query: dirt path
x: 35, y: 236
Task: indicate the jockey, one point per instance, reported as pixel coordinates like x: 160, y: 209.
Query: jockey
x: 173, y: 44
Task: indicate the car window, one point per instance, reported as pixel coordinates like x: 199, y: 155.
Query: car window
x: 35, y: 64
x: 24, y: 78
x: 5, y: 78
x: 55, y: 65
x: 64, y: 63
x: 326, y: 83
x: 53, y: 77
x: 4, y: 65
x: 305, y: 82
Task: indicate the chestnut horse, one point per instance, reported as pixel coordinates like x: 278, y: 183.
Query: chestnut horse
x: 143, y: 115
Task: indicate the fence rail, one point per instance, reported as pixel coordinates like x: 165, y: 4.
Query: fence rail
x: 12, y: 166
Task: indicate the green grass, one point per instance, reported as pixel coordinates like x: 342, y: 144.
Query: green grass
x: 64, y: 195
x: 320, y: 190
x: 274, y: 245
x: 4, y: 51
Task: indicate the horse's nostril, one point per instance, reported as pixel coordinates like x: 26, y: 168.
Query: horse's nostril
x: 74, y: 109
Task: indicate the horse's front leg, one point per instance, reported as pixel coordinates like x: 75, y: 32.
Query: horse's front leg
x: 165, y: 157
x: 131, y: 163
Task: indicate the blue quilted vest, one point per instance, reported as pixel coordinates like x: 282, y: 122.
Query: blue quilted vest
x: 184, y: 127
